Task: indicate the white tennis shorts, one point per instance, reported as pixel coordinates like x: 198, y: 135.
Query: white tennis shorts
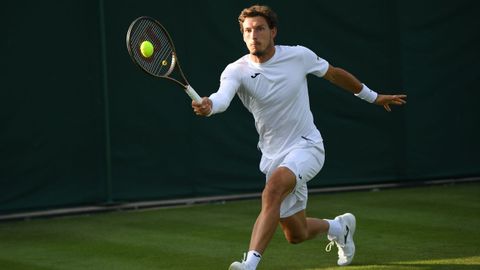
x: 305, y: 160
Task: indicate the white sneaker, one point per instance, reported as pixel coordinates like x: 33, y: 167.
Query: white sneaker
x: 344, y: 242
x: 238, y: 266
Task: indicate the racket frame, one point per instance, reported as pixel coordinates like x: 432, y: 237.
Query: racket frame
x: 174, y: 63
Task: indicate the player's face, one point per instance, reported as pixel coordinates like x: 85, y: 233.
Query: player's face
x: 258, y: 36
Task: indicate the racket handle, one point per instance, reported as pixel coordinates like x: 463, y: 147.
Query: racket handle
x: 192, y: 94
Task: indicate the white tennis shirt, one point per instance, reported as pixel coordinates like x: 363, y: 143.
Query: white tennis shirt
x: 276, y: 93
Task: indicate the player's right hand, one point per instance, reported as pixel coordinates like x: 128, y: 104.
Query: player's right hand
x: 204, y: 108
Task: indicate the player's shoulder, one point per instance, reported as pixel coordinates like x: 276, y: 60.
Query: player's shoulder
x: 292, y: 49
x: 295, y: 53
x: 296, y: 50
x: 292, y: 53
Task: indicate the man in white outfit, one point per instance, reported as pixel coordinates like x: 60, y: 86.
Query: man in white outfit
x: 271, y: 82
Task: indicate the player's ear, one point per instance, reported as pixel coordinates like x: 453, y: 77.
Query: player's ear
x: 274, y: 32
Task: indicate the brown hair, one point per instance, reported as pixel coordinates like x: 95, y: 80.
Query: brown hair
x: 258, y: 10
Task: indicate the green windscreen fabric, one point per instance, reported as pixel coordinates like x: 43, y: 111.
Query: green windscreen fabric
x: 73, y: 133
x: 51, y: 138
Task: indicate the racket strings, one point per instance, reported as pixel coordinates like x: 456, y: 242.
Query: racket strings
x: 162, y: 61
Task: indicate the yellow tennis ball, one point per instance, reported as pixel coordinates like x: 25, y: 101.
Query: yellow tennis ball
x: 146, y: 48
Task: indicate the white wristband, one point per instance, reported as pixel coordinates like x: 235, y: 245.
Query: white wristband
x: 367, y: 94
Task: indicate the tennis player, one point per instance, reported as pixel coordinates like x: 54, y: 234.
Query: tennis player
x: 271, y: 82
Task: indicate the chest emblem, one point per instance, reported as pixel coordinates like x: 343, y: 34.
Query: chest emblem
x: 255, y: 75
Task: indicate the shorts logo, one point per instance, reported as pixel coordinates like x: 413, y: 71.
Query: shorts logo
x: 255, y: 75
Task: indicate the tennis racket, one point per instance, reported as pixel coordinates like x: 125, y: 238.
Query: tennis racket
x: 163, y: 61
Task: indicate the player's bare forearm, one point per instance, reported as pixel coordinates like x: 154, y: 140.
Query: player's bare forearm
x: 343, y: 79
x: 347, y: 81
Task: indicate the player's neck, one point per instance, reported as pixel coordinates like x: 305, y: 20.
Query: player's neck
x: 264, y: 57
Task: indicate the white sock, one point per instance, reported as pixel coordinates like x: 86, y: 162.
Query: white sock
x: 253, y: 258
x: 335, y: 228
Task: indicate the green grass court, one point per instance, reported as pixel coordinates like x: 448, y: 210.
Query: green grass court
x: 435, y: 227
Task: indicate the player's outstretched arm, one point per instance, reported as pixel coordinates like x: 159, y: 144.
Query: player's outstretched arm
x: 347, y: 81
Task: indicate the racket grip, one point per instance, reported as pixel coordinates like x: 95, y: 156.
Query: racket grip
x: 192, y: 94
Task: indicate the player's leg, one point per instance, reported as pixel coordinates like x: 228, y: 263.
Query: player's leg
x: 306, y: 163
x: 283, y: 196
x: 299, y: 228
x: 280, y: 184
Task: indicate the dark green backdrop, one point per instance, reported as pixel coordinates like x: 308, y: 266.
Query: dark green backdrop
x: 81, y: 125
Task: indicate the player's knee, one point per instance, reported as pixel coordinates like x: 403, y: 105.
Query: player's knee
x: 296, y: 238
x: 278, y: 186
x: 270, y: 202
x: 272, y: 194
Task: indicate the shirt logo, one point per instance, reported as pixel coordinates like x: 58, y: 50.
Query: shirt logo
x: 255, y: 75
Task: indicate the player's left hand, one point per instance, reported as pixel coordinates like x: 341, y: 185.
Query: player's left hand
x: 386, y: 100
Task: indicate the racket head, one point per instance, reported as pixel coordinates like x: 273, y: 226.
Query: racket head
x: 163, y: 60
